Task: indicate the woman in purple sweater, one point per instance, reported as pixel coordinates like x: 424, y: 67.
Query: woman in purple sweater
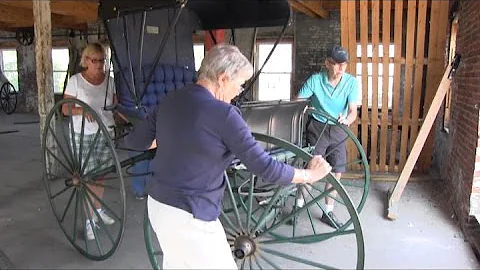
x: 198, y: 133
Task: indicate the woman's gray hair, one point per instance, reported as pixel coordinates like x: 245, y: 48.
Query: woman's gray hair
x: 89, y: 50
x: 223, y: 58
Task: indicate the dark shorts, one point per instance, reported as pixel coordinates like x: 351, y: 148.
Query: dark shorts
x: 331, y: 145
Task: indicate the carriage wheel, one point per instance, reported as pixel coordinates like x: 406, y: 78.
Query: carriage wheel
x: 262, y: 236
x: 154, y: 250
x: 356, y: 179
x: 79, y: 181
x: 25, y: 36
x: 8, y: 98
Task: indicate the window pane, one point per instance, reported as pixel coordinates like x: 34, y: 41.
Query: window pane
x: 58, y: 81
x: 9, y: 60
x: 281, y: 59
x: 9, y: 67
x: 60, y: 59
x: 12, y: 77
x: 274, y: 86
x: 198, y: 54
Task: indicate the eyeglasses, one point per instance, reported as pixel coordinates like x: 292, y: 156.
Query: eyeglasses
x: 96, y: 61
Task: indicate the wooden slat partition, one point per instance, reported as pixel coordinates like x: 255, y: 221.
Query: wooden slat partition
x: 436, y: 68
x: 375, y: 21
x: 386, y: 10
x: 396, y: 83
x: 363, y: 45
x: 387, y: 132
x: 349, y: 39
x: 418, y: 82
x: 407, y: 86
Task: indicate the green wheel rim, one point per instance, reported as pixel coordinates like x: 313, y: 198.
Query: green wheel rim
x: 77, y: 185
x: 360, y: 185
x: 151, y: 243
x: 276, y: 243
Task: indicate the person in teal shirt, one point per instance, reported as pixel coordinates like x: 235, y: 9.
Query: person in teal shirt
x: 337, y: 93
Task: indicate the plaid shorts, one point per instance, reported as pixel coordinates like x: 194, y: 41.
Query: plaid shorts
x: 100, y: 157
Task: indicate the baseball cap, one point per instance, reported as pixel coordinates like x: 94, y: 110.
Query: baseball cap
x: 338, y: 54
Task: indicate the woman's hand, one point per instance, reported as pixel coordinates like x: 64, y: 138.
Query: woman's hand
x: 318, y: 168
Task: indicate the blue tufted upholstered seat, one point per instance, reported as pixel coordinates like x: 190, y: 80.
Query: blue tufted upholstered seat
x: 166, y: 78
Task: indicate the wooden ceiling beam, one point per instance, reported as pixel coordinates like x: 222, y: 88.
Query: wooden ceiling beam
x: 311, y: 8
x: 85, y: 10
x: 19, y: 17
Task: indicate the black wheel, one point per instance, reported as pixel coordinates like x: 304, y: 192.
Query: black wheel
x: 5, y: 263
x: 25, y: 36
x: 8, y: 98
x: 356, y: 179
x: 263, y: 236
x: 83, y: 179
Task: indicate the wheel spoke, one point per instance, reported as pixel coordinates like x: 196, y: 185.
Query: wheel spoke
x: 297, y: 259
x: 228, y: 222
x: 60, y: 192
x: 233, y: 202
x: 265, y: 213
x: 90, y: 151
x: 292, y: 215
x: 66, y: 139
x: 90, y: 192
x: 307, y: 239
x: 59, y: 161
x: 257, y: 262
x: 99, y: 218
x: 72, y: 134
x: 268, y: 261
x: 74, y: 192
x: 80, y: 147
x: 70, y: 162
x: 90, y: 220
x: 250, y: 202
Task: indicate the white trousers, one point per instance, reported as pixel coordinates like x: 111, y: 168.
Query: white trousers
x: 189, y: 243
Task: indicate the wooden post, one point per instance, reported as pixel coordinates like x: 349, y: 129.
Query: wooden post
x: 43, y: 57
x: 43, y: 60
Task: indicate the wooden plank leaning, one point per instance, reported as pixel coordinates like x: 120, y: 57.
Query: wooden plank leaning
x: 395, y: 193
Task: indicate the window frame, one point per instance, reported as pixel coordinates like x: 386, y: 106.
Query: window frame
x: 257, y: 65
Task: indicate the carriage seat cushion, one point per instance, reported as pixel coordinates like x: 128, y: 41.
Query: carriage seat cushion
x: 166, y: 78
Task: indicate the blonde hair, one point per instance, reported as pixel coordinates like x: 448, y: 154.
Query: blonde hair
x: 223, y: 58
x: 89, y: 50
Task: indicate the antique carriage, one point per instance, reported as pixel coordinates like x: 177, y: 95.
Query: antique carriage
x: 153, y: 56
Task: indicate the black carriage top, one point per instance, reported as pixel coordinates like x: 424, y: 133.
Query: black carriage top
x: 152, y: 41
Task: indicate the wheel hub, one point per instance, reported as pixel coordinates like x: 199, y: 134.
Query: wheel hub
x: 74, y: 181
x: 244, y: 246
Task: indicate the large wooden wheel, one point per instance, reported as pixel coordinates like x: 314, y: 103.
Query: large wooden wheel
x: 8, y: 98
x: 82, y: 174
x: 356, y: 179
x: 266, y: 229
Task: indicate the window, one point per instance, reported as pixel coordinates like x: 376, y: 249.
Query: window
x: 274, y: 80
x: 451, y: 54
x: 60, y: 59
x: 9, y: 66
x: 198, y: 54
x: 380, y: 74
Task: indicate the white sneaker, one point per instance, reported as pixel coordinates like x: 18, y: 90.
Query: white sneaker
x: 89, y: 231
x: 107, y: 220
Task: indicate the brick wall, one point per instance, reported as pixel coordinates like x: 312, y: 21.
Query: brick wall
x: 312, y: 39
x: 458, y: 154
